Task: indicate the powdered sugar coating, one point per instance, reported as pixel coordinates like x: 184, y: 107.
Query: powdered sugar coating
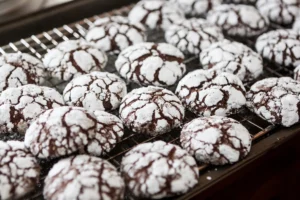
x: 109, y: 131
x: 156, y: 13
x: 157, y: 170
x: 297, y: 73
x: 207, y: 93
x: 19, y: 170
x: 216, y: 140
x: 193, y: 35
x: 151, y: 110
x: 95, y: 91
x: 73, y: 58
x: 196, y: 7
x: 281, y: 46
x: 114, y: 34
x: 19, y: 69
x: 151, y: 64
x: 61, y: 131
x: 222, y: 55
x: 84, y: 178
x: 240, y: 1
x: 276, y: 100
x: 281, y: 12
x: 296, y: 25
x: 238, y: 20
x: 19, y: 106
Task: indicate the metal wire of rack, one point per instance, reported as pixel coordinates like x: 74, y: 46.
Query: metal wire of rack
x: 38, y: 45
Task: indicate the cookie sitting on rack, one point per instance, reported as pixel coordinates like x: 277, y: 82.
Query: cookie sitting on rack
x: 19, y: 69
x: 114, y: 34
x: 238, y: 20
x: 156, y: 14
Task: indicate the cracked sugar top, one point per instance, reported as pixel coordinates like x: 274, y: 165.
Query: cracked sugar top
x: 151, y: 64
x: 158, y: 170
x: 73, y: 58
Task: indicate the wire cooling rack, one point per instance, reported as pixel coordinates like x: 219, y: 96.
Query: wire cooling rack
x: 38, y: 45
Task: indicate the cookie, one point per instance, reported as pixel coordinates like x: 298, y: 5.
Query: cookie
x: 216, y: 140
x: 151, y: 64
x: 19, y: 171
x: 158, y: 170
x: 109, y: 132
x: 113, y: 34
x: 59, y: 132
x: 232, y: 57
x: 95, y: 91
x: 73, y: 58
x: 280, y: 46
x: 19, y: 106
x: 207, y: 93
x: 238, y: 20
x: 156, y: 14
x: 240, y: 1
x: 296, y: 25
x: 297, y: 73
x: 193, y: 35
x: 151, y: 110
x: 276, y: 100
x: 84, y: 178
x: 282, y: 12
x: 19, y: 69
x: 196, y: 7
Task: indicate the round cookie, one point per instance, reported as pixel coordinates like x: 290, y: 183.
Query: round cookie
x: 151, y: 110
x: 232, y: 57
x: 109, y: 132
x: 151, y: 64
x: 276, y: 100
x: 238, y: 20
x: 95, y: 91
x: 196, y: 7
x: 282, y: 12
x: 73, y: 58
x: 19, y: 170
x: 19, y: 69
x: 19, y: 106
x: 207, y: 93
x: 193, y: 35
x: 158, y: 170
x: 297, y: 73
x: 281, y: 46
x: 113, y: 34
x: 216, y: 140
x: 84, y: 178
x: 156, y: 14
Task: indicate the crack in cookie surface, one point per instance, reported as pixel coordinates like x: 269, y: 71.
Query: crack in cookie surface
x: 151, y: 64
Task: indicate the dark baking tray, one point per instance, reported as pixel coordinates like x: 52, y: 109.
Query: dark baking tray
x: 265, y: 135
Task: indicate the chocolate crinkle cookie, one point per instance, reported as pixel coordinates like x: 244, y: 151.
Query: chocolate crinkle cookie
x: 66, y: 130
x: 276, y: 100
x: 95, y: 91
x: 151, y: 64
x: 233, y: 57
x: 238, y: 20
x: 193, y: 35
x: 19, y: 106
x: 282, y: 12
x: 216, y: 140
x: 208, y: 92
x: 151, y: 110
x: 19, y: 69
x: 196, y: 7
x: 73, y: 58
x: 19, y: 170
x: 280, y: 46
x: 156, y: 14
x: 84, y: 178
x: 296, y: 25
x: 297, y: 73
x: 114, y: 34
x: 158, y: 170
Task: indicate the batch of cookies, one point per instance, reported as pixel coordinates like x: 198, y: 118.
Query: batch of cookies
x: 80, y: 119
